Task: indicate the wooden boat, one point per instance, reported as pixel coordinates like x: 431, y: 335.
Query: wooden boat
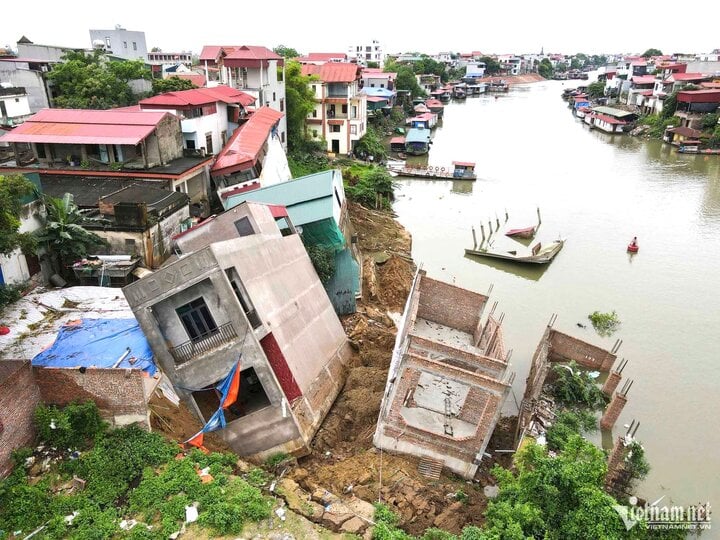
x: 527, y: 232
x: 539, y: 254
x: 460, y: 170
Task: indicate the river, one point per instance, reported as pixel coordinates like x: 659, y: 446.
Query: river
x: 597, y: 191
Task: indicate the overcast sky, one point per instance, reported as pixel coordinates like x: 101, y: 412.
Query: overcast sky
x: 498, y: 27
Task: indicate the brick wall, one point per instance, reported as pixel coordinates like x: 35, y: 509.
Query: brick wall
x: 118, y: 393
x: 480, y: 407
x: 18, y: 398
x: 449, y: 305
x: 564, y: 347
x: 458, y: 357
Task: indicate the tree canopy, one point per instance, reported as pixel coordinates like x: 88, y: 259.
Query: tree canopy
x: 652, y: 52
x: 286, y: 52
x: 406, y: 81
x: 171, y: 84
x: 300, y: 102
x: 545, y: 68
x: 492, y: 66
x: 12, y: 191
x: 92, y: 81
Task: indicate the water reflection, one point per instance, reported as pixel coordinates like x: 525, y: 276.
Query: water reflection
x: 462, y: 187
x: 531, y: 272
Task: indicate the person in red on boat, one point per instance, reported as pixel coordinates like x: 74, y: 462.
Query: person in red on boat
x: 634, y: 242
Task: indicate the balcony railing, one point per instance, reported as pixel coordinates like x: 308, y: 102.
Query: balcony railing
x: 190, y: 349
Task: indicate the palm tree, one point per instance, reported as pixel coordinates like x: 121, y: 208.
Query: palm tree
x: 63, y: 235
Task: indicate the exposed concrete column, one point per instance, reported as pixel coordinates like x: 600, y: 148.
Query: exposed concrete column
x: 611, y: 383
x: 613, y: 411
x: 48, y: 152
x: 83, y: 153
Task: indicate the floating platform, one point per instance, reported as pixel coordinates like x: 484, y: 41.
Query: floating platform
x: 460, y: 170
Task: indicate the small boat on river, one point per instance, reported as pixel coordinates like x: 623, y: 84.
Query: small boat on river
x: 633, y: 246
x: 539, y: 254
x: 527, y: 232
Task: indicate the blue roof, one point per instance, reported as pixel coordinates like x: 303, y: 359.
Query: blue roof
x: 379, y: 92
x: 417, y: 135
x: 99, y: 343
x: 308, y: 199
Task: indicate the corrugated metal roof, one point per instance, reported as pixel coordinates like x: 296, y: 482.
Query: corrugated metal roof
x: 199, y: 96
x: 333, y: 71
x: 644, y: 79
x: 308, y: 199
x: 418, y: 135
x: 75, y: 126
x: 247, y: 141
x: 610, y: 111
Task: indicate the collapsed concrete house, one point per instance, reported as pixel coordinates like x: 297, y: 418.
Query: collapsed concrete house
x: 255, y: 298
x: 448, y: 378
x: 556, y: 347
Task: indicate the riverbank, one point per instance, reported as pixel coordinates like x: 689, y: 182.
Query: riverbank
x: 516, y: 79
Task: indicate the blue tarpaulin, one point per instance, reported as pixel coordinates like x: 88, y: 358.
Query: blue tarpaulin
x: 99, y: 343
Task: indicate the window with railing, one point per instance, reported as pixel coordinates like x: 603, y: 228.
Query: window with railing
x: 190, y: 349
x: 337, y: 89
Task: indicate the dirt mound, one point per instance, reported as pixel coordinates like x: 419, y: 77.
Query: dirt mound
x: 179, y: 424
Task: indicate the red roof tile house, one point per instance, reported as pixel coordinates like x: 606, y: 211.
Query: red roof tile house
x: 340, y: 114
x: 253, y: 69
x: 321, y: 58
x: 208, y: 116
x: 692, y: 105
x: 137, y: 147
x: 254, y: 156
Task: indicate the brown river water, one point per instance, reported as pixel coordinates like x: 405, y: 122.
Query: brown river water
x: 597, y: 191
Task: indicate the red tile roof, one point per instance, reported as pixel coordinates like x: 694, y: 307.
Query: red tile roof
x: 677, y: 77
x: 332, y: 71
x: 708, y: 95
x: 196, y: 79
x: 242, y: 149
x: 608, y: 119
x: 322, y: 57
x: 644, y: 79
x: 685, y: 131
x: 434, y: 103
x: 82, y: 126
x: 238, y: 52
x: 199, y: 96
x: 377, y: 73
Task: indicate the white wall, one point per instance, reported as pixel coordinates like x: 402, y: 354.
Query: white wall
x: 17, y: 106
x: 121, y: 42
x: 275, y: 168
x: 21, y: 75
x: 14, y: 266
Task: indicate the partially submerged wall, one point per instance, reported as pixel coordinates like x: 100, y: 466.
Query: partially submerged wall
x: 565, y: 348
x: 118, y: 393
x: 19, y: 396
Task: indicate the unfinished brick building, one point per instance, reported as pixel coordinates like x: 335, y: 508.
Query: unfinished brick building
x: 448, y: 378
x: 556, y: 347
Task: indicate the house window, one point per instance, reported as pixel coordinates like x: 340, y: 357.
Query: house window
x: 314, y: 133
x: 314, y: 113
x: 134, y: 46
x: 190, y: 144
x: 223, y: 137
x: 282, y: 137
x: 243, y: 298
x: 282, y: 104
x: 244, y: 227
x: 124, y: 44
x: 353, y: 129
x: 344, y: 109
x: 107, y: 42
x: 197, y: 320
x: 273, y: 96
x: 280, y: 75
x: 208, y: 143
x: 335, y: 129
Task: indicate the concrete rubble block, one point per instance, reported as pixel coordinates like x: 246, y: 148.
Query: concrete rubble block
x: 334, y: 520
x: 354, y: 525
x: 243, y: 466
x: 361, y: 508
x: 298, y: 500
x: 324, y: 497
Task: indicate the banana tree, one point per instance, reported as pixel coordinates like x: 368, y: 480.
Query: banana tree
x: 63, y: 236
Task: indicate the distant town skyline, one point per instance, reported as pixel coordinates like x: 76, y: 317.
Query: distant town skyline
x: 523, y: 28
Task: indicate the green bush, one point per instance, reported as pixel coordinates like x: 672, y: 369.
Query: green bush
x: 567, y: 424
x: 323, y: 260
x: 22, y: 506
x: 573, y: 387
x: 372, y: 182
x: 9, y: 294
x: 73, y: 426
x: 226, y: 510
x: 605, y: 324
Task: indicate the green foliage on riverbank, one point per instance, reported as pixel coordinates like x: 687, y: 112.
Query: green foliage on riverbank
x: 369, y: 185
x: 605, y: 324
x: 128, y: 473
x: 574, y: 388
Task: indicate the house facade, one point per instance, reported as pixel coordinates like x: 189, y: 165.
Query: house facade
x: 126, y: 44
x: 14, y: 105
x: 208, y: 116
x: 317, y: 206
x: 362, y: 54
x: 340, y: 114
x: 160, y: 62
x: 257, y: 301
x: 253, y: 156
x: 142, y: 146
x: 377, y: 78
x: 253, y: 69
